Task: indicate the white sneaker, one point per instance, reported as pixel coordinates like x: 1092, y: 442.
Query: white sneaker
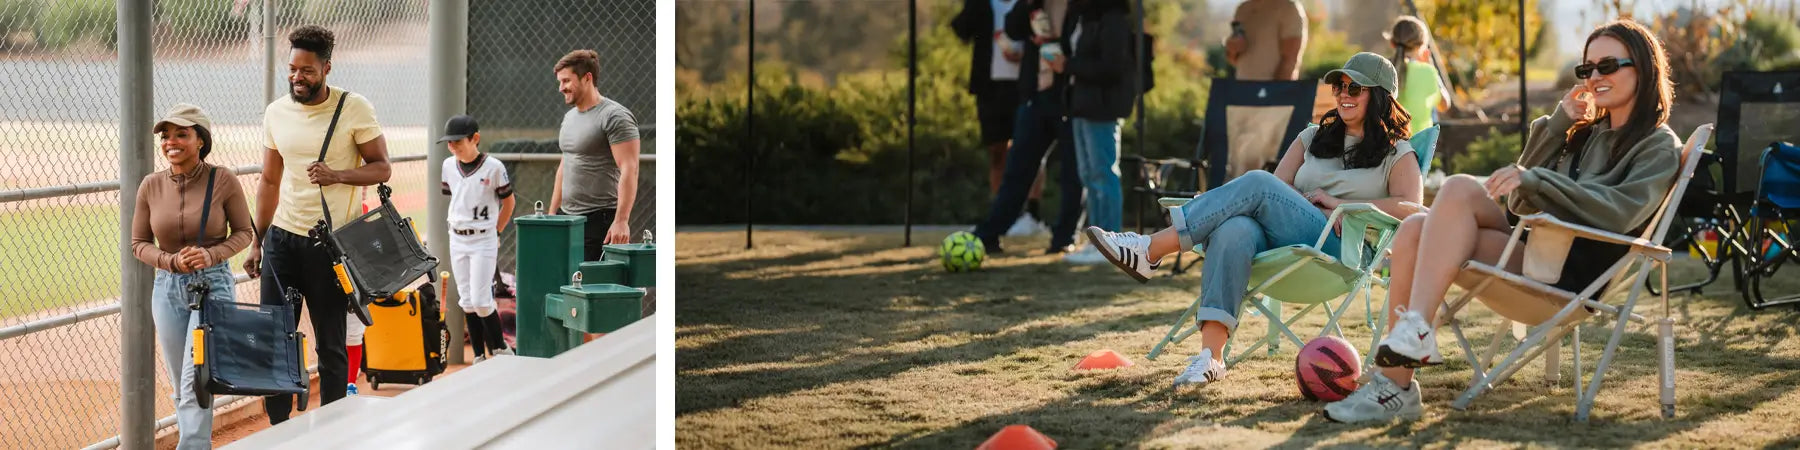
x: 1411, y: 344
x: 1129, y: 251
x: 1087, y: 255
x: 503, y: 351
x: 1378, y: 401
x: 1201, y: 369
x: 1026, y: 226
x: 478, y: 360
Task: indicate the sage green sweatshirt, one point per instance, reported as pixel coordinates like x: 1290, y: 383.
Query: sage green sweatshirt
x: 1614, y: 197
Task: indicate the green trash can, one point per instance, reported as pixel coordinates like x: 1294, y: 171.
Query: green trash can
x: 589, y: 308
x: 550, y: 250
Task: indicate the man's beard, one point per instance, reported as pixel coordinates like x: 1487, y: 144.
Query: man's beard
x: 312, y: 91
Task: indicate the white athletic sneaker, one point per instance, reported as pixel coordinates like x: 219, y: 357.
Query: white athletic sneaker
x: 503, y: 351
x: 1201, y: 369
x: 478, y: 360
x: 1411, y: 344
x: 1378, y: 401
x: 1026, y: 226
x: 1129, y: 251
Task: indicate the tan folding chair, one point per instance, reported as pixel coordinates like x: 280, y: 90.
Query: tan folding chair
x: 1552, y: 313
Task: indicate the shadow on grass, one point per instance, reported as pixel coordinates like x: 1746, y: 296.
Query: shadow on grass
x: 1071, y: 421
x: 806, y: 333
x: 859, y: 309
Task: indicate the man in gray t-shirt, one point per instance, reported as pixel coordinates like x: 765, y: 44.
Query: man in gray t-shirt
x: 599, y: 141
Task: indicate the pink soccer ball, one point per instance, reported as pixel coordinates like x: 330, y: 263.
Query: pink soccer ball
x: 1327, y: 369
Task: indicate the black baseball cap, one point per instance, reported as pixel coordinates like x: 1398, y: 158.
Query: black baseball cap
x: 459, y: 128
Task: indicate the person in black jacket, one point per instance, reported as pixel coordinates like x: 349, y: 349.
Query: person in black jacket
x: 995, y: 65
x: 1100, y: 65
x: 1040, y: 124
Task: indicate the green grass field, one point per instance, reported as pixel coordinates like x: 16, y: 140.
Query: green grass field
x: 838, y: 339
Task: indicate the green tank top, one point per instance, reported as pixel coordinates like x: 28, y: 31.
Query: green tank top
x: 1420, y: 95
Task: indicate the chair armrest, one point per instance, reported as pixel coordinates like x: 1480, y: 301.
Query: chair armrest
x: 1367, y: 213
x: 1549, y: 223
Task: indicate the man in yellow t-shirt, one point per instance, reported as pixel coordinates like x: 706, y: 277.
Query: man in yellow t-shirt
x: 294, y: 129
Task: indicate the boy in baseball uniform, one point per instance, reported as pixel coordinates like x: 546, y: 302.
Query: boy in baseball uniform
x: 481, y: 205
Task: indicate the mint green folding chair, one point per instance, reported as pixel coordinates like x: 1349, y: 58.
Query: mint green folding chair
x: 1305, y: 275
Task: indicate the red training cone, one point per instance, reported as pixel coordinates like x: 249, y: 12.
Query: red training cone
x: 1103, y: 359
x: 1018, y: 437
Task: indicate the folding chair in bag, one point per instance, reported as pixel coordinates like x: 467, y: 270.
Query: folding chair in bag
x: 1739, y: 205
x: 1306, y: 275
x: 1242, y: 117
x: 226, y: 354
x: 1553, y: 313
x: 247, y: 348
x: 376, y: 254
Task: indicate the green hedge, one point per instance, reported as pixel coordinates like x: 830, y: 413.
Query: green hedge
x: 838, y: 155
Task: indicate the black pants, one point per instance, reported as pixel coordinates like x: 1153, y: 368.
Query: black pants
x: 594, y: 240
x: 292, y: 261
x: 485, y: 334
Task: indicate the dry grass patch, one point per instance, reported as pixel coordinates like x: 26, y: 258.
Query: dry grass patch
x: 837, y: 339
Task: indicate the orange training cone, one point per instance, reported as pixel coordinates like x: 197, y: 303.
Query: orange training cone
x: 1018, y: 437
x: 1103, y: 359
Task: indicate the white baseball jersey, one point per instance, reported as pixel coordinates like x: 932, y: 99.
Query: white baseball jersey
x: 475, y: 193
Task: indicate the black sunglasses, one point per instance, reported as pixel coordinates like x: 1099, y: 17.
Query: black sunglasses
x: 1606, y: 66
x: 1348, y: 88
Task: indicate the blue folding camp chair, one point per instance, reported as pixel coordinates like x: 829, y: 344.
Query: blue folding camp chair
x: 1730, y: 200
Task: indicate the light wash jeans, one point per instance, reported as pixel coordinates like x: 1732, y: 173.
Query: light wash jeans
x: 1252, y: 213
x: 174, y: 323
x: 1097, y: 155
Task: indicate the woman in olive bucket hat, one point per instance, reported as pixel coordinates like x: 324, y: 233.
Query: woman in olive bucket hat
x: 164, y: 228
x: 1357, y: 154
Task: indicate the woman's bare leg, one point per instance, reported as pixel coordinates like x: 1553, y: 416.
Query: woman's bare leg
x: 1464, y: 224
x: 1460, y: 212
x: 1163, y: 242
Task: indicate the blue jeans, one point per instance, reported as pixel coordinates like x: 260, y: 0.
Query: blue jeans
x: 1234, y: 222
x: 174, y: 322
x: 1097, y: 147
x: 1038, y: 124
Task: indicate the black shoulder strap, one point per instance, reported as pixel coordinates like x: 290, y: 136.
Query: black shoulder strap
x: 326, y: 145
x: 206, y: 208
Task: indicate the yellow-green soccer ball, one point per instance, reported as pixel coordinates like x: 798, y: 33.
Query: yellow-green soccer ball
x: 962, y: 252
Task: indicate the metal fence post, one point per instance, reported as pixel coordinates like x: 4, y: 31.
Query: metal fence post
x: 270, y: 84
x: 447, y: 70
x: 137, y: 380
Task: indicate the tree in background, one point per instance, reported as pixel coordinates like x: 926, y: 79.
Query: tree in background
x: 1480, y: 41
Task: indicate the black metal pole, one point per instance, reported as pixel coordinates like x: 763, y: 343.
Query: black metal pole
x: 912, y: 105
x: 749, y: 125
x: 1138, y: 83
x: 1524, y: 111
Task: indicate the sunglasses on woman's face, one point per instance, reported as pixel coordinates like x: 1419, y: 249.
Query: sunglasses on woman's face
x: 1606, y: 66
x: 1347, y: 88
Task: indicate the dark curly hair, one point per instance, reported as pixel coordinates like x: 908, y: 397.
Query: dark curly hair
x: 313, y: 38
x: 1379, y: 136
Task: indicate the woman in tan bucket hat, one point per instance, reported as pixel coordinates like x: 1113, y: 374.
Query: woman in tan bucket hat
x: 166, y: 233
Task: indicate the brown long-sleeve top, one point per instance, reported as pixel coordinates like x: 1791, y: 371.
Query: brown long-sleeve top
x: 168, y: 216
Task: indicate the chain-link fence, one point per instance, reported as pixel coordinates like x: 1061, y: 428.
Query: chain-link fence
x: 513, y: 47
x: 60, y: 251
